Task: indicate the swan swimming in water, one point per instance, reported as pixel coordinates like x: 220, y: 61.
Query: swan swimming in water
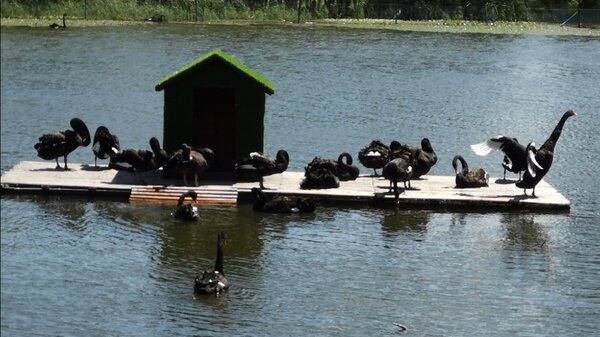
x: 281, y: 204
x: 55, y: 25
x: 213, y: 281
x: 187, y: 211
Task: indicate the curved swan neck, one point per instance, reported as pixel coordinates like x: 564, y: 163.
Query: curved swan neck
x: 346, y: 156
x: 192, y: 194
x: 551, y: 142
x: 463, y: 163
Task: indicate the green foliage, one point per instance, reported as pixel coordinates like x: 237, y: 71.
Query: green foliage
x: 185, y: 10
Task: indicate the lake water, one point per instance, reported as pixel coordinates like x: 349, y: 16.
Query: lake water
x: 91, y: 267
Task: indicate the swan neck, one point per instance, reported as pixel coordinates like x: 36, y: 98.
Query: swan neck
x: 219, y: 261
x: 551, y: 142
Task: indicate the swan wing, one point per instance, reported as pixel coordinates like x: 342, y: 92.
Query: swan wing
x: 484, y: 148
x: 532, y: 164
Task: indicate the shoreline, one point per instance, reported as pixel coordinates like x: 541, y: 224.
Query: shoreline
x: 431, y: 26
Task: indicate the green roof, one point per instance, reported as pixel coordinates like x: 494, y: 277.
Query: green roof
x: 228, y: 59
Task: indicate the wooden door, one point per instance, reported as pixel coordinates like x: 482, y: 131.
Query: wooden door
x: 214, y: 125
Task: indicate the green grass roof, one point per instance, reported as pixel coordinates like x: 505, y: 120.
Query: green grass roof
x: 242, y: 68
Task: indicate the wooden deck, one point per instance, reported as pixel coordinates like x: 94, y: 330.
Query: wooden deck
x: 429, y: 191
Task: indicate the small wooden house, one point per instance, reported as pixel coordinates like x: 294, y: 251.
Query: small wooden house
x: 215, y: 102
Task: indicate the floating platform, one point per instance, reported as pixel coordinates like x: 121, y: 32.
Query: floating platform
x: 427, y: 192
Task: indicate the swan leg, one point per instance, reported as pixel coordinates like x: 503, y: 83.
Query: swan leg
x: 95, y: 161
x: 184, y: 180
x: 533, y: 192
x: 57, y: 164
x: 66, y: 168
x: 196, y: 180
x: 260, y: 183
x: 504, y: 175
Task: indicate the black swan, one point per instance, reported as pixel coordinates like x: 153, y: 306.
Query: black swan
x: 213, y: 281
x: 515, y: 156
x: 345, y: 170
x: 263, y: 165
x: 55, y: 25
x: 398, y: 169
x: 466, y: 178
x: 422, y: 160
x: 193, y: 161
x: 187, y: 211
x: 320, y: 173
x: 104, y: 144
x: 543, y: 157
x: 156, y: 18
x: 281, y: 204
x: 342, y: 167
x: 61, y: 143
x: 374, y: 156
x: 137, y: 161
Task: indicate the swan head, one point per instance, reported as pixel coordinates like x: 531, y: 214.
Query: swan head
x: 82, y: 130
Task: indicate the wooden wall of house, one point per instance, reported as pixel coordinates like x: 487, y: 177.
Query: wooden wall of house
x: 250, y: 107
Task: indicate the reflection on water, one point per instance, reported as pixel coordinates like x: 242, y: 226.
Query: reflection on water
x: 523, y: 232
x: 398, y: 222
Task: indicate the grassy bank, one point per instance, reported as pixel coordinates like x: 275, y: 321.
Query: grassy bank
x: 440, y: 26
x: 128, y: 12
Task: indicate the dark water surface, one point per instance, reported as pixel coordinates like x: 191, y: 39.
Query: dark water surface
x: 91, y: 267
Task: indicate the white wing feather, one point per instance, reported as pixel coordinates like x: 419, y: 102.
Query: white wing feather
x: 532, y: 164
x: 484, y: 148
